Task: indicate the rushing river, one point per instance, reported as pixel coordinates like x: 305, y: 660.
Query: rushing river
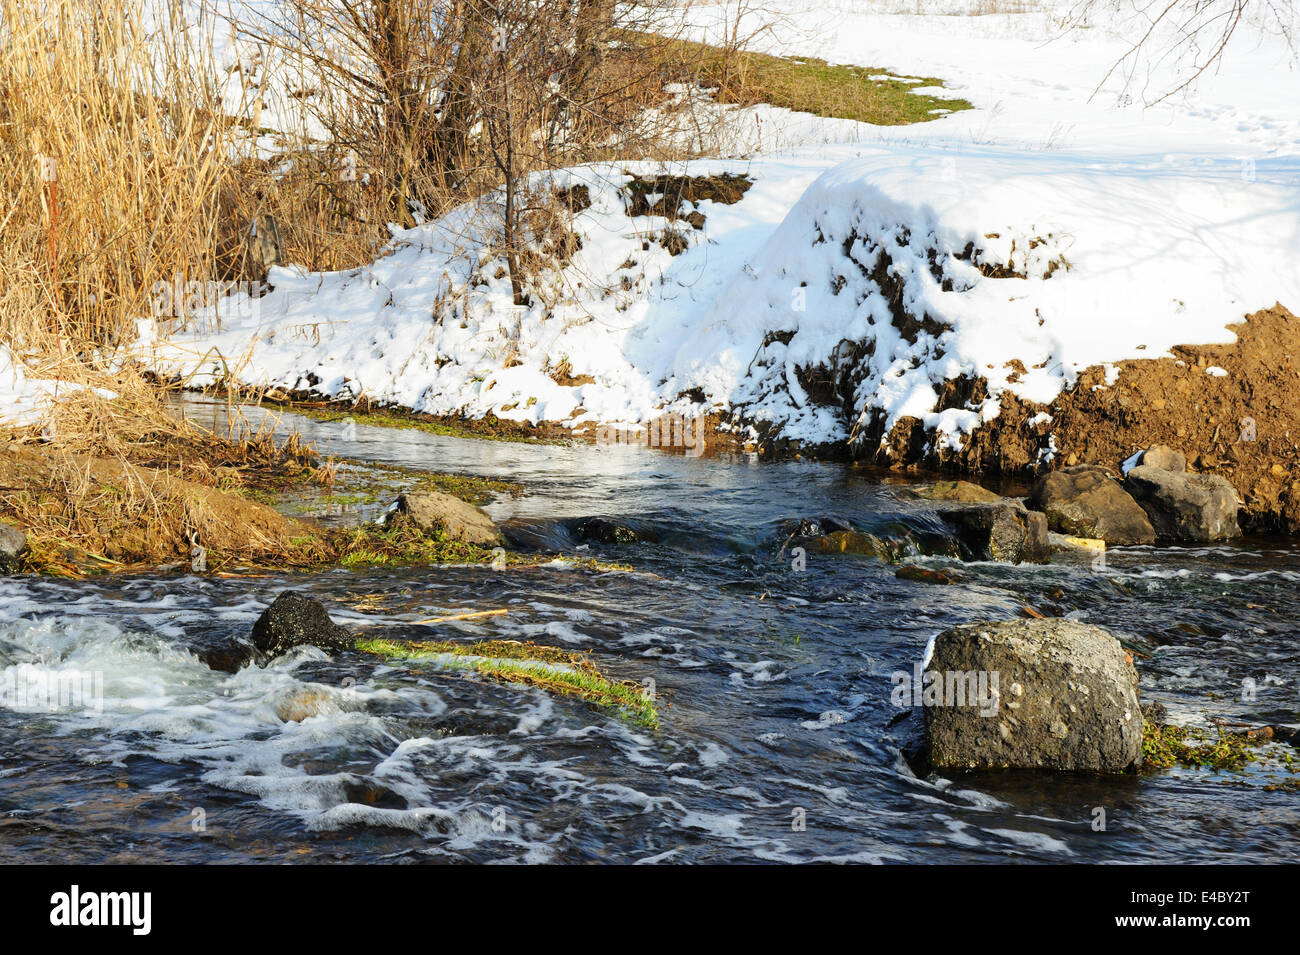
x: 774, y: 686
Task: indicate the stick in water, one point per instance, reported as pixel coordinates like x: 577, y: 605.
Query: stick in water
x: 465, y: 616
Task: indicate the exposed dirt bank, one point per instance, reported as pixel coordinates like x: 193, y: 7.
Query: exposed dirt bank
x: 1232, y: 409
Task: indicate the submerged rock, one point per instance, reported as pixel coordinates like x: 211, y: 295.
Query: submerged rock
x: 1004, y: 531
x: 855, y: 542
x: 435, y: 512
x: 294, y: 620
x: 604, y: 531
x: 1061, y: 695
x: 1183, y: 506
x: 813, y: 527
x: 960, y: 491
x: 229, y: 657
x: 12, y: 544
x: 1086, y: 502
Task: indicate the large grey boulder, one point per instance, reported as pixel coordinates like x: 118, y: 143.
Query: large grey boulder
x: 1064, y: 697
x: 1004, y: 530
x: 12, y: 544
x: 1185, y: 507
x: 437, y: 513
x: 295, y: 620
x: 1086, y: 502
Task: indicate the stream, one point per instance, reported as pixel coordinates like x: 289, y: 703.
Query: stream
x: 778, y: 739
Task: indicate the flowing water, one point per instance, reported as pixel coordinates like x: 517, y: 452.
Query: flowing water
x: 779, y: 740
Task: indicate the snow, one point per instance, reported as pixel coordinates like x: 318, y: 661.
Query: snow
x: 1045, y: 231
x: 25, y: 400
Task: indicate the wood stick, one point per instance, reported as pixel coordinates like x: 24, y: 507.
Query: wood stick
x: 465, y: 616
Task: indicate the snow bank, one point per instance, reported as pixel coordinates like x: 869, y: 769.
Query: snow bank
x: 868, y: 273
x: 889, y: 275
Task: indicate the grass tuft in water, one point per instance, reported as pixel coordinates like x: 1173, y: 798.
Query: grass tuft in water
x: 531, y: 664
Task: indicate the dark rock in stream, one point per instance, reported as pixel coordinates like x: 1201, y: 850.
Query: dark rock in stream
x: 295, y: 620
x: 1057, y: 694
x: 229, y: 657
x: 1004, y: 531
x: 601, y: 530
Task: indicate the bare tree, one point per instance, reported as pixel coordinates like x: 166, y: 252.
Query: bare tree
x: 1188, y: 35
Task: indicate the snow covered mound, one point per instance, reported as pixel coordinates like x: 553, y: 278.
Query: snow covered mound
x: 900, y: 278
x: 905, y: 281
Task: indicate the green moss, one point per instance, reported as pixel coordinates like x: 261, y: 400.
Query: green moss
x: 400, y: 543
x: 475, y: 490
x: 488, y: 428
x: 403, y: 543
x: 549, y: 668
x: 1166, y: 746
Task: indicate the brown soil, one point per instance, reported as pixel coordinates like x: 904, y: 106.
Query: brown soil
x: 83, y: 514
x: 1244, y: 425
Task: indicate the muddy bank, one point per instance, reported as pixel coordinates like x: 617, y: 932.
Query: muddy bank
x: 1231, y: 409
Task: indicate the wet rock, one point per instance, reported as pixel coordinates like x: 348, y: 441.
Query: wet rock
x: 1164, y: 457
x: 1185, y: 507
x: 813, y: 527
x: 12, y: 544
x: 854, y: 542
x: 294, y: 620
x: 1087, y: 547
x: 373, y: 794
x: 927, y: 575
x: 230, y: 657
x: 434, y: 512
x: 604, y: 531
x: 1004, y: 531
x: 960, y: 491
x: 1086, y: 502
x: 1065, y: 697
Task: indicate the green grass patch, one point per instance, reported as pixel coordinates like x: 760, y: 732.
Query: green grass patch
x: 475, y: 490
x: 806, y: 84
x: 548, y: 668
x: 1167, y: 746
x: 487, y: 428
x: 401, y: 544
